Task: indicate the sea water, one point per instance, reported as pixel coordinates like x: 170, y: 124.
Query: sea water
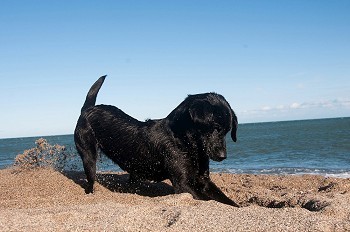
x: 320, y: 146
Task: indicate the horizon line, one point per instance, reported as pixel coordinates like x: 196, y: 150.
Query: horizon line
x: 276, y: 121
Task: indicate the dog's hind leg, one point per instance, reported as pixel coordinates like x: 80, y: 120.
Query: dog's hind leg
x: 87, y: 148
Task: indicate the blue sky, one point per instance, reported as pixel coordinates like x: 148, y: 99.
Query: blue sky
x: 272, y: 60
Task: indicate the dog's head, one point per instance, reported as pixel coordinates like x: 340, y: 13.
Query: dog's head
x: 208, y: 118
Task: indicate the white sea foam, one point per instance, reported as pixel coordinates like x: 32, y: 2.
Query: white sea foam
x: 288, y: 171
x: 339, y: 175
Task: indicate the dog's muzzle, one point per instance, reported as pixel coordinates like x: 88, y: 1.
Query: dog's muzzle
x: 219, y: 156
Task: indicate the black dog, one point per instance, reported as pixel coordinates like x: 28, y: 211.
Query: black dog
x: 177, y: 147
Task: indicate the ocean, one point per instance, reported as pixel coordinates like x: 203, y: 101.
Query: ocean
x: 320, y: 146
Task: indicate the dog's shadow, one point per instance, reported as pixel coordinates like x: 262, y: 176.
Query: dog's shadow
x: 120, y: 183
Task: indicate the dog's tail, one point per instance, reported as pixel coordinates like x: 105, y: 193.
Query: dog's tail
x: 92, y: 94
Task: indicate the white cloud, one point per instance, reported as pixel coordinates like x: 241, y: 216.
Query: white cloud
x: 295, y: 105
x: 266, y: 108
x: 339, y: 103
x: 301, y: 86
x: 336, y: 103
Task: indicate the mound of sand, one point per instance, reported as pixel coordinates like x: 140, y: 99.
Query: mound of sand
x: 44, y: 199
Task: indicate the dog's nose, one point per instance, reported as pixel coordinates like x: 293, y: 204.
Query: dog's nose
x: 221, y: 155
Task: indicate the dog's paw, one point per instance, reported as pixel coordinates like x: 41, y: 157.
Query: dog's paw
x: 89, y: 189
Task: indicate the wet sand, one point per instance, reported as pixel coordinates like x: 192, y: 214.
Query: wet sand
x: 45, y: 199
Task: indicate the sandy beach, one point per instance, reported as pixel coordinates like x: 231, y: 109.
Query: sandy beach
x: 45, y: 199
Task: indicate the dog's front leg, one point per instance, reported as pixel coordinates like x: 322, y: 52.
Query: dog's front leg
x: 200, y: 187
x: 187, y: 184
x: 213, y: 192
x: 134, y: 183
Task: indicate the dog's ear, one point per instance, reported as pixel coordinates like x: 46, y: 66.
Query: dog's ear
x: 234, y: 127
x: 200, y: 112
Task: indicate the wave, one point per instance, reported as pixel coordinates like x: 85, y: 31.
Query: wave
x: 339, y: 173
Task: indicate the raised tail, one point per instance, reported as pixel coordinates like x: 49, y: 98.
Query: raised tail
x: 92, y: 94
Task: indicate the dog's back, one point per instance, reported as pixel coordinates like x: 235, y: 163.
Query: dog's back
x: 118, y: 136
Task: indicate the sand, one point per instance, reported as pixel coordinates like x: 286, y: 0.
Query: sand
x: 46, y: 200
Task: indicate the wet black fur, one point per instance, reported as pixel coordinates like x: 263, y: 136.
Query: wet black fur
x: 177, y: 147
